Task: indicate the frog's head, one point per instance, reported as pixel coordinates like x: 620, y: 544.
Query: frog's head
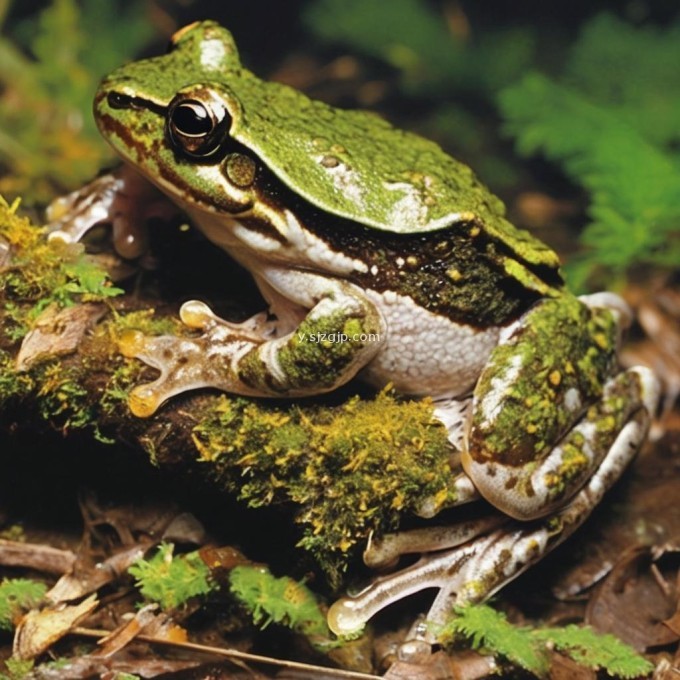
x: 171, y: 116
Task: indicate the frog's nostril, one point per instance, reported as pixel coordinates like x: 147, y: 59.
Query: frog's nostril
x: 118, y: 100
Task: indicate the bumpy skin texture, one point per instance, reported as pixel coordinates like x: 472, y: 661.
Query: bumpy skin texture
x: 381, y: 256
x: 349, y: 163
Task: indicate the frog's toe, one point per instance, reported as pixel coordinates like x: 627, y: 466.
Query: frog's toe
x: 197, y: 314
x: 179, y: 361
x: 385, y: 551
x: 467, y: 573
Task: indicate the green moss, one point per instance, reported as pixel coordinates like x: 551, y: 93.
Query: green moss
x: 146, y: 321
x: 61, y: 397
x: 13, y: 384
x: 350, y: 469
x: 42, y: 273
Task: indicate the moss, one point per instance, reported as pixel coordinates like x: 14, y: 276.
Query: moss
x: 42, y: 273
x: 351, y: 469
x: 13, y: 385
x: 62, y: 399
x: 146, y: 321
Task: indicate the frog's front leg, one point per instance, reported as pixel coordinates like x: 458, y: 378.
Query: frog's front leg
x: 121, y: 198
x: 339, y: 335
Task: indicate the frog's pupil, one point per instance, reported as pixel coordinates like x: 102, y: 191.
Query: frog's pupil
x: 192, y: 119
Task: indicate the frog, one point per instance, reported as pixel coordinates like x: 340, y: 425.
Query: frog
x: 382, y: 260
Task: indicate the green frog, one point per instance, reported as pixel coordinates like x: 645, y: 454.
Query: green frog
x: 382, y: 259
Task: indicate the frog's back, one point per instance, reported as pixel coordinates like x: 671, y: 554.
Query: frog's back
x: 352, y: 164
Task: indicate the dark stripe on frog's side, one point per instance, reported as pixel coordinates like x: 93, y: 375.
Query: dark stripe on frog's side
x: 453, y: 272
x: 129, y: 140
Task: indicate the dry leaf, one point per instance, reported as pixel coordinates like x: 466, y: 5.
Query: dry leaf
x: 39, y: 630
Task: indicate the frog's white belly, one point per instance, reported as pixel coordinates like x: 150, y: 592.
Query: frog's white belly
x: 425, y: 353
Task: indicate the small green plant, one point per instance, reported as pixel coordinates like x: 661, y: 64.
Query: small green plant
x: 172, y: 581
x: 611, y: 122
x: 279, y: 600
x: 17, y: 595
x: 529, y: 648
x: 17, y: 669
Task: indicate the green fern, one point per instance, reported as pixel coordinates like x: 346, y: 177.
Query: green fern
x: 529, y: 648
x: 17, y: 595
x: 614, y: 139
x: 596, y: 651
x: 490, y: 629
x: 279, y: 600
x: 172, y: 580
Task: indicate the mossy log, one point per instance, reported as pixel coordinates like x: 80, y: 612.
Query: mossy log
x: 348, y: 465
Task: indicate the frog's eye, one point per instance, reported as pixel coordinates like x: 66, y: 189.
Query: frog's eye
x: 194, y: 128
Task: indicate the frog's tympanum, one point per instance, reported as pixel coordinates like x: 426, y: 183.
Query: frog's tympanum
x: 383, y: 259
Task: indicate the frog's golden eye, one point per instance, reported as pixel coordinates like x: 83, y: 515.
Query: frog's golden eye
x: 196, y: 128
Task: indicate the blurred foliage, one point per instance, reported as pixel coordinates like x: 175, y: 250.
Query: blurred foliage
x: 612, y: 122
x: 435, y: 57
x: 16, y: 596
x: 49, y: 69
x: 440, y: 61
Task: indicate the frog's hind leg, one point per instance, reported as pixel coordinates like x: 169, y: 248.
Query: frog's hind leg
x: 477, y: 568
x: 549, y: 405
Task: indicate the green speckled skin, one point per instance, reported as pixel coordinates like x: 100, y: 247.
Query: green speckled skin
x: 349, y: 163
x: 563, y: 345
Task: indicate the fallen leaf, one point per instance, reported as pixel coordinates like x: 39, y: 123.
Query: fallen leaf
x: 40, y: 629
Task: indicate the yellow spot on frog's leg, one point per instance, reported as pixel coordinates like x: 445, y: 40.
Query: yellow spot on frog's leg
x: 555, y: 378
x: 531, y: 428
x: 474, y: 231
x: 454, y: 274
x: 569, y: 368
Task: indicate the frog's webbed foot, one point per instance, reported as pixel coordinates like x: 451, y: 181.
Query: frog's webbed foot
x: 487, y: 554
x: 123, y: 199
x: 341, y: 332
x: 187, y: 363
